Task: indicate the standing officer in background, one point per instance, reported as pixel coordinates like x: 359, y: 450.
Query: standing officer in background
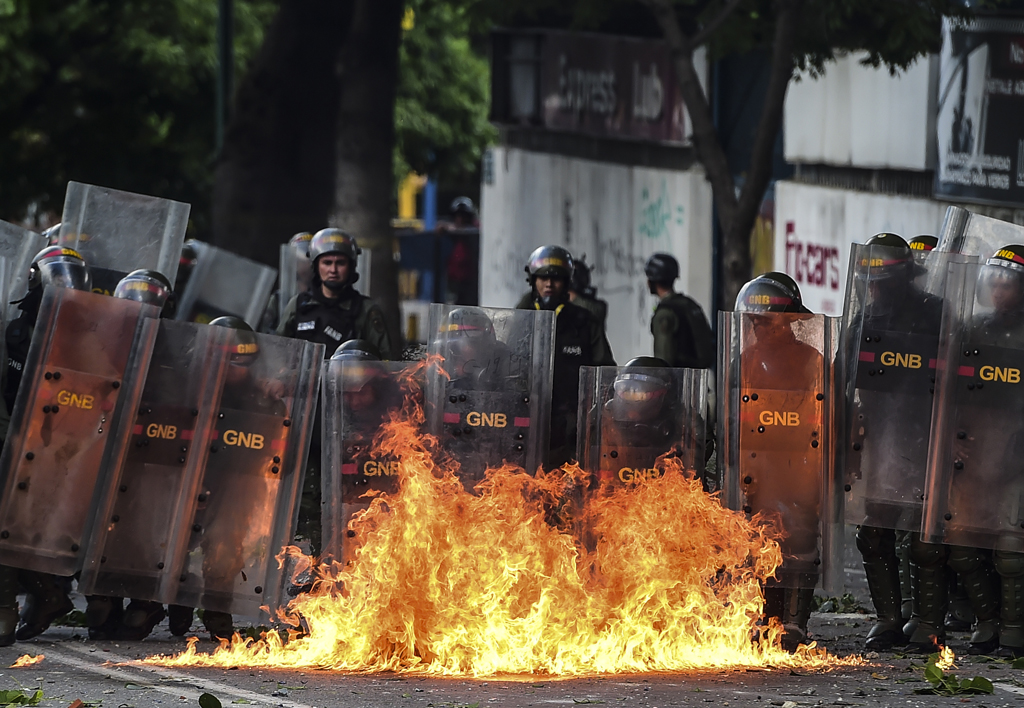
x: 331, y: 312
x: 682, y: 336
x: 582, y: 293
x: 579, y: 341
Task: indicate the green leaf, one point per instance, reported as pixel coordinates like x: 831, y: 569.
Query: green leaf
x: 979, y: 684
x: 208, y: 700
x: 1018, y: 663
x: 933, y: 674
x: 241, y: 700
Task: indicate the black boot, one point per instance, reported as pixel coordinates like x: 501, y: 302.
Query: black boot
x: 179, y: 619
x: 881, y: 566
x: 928, y: 572
x: 50, y: 602
x: 103, y: 615
x: 982, y: 584
x: 218, y: 624
x: 795, y: 616
x: 139, y: 620
x: 8, y: 605
x: 1010, y: 566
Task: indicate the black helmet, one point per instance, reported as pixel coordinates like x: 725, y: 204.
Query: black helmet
x: 640, y: 389
x: 581, y: 278
x: 891, y: 259
x: 786, y: 281
x: 300, y: 242
x: 766, y: 294
x: 356, y: 350
x: 549, y: 262
x: 186, y: 263
x: 149, y: 286
x: 462, y: 205
x: 1005, y: 267
x: 245, y: 348
x: 661, y: 268
x: 471, y: 322
x: 339, y: 243
x: 60, y: 267
x: 469, y: 341
x: 923, y: 243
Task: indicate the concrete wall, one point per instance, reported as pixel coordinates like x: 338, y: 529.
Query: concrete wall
x: 859, y: 116
x: 814, y: 227
x: 615, y: 215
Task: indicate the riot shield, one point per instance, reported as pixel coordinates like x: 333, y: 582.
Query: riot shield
x: 118, y: 232
x: 145, y: 517
x: 631, y: 419
x: 776, y: 454
x: 81, y: 373
x: 296, y: 276
x: 965, y: 232
x: 975, y: 489
x: 17, y: 246
x: 891, y: 339
x: 358, y: 398
x: 224, y: 283
x: 245, y: 510
x: 489, y: 399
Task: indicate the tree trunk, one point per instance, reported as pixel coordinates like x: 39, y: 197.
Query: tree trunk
x: 275, y: 176
x: 365, y: 144
x: 736, y: 215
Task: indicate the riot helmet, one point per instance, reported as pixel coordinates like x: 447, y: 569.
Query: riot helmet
x: 148, y: 286
x: 662, y: 268
x: 1001, y: 280
x: 766, y: 293
x: 550, y: 262
x: 244, y: 348
x: 60, y: 267
x: 640, y: 389
x: 186, y: 264
x: 52, y: 234
x: 334, y: 242
x: 786, y: 281
x: 896, y: 261
x: 470, y: 342
x: 923, y: 243
x: 360, y: 364
x: 462, y: 206
x: 580, y: 282
x: 300, y: 242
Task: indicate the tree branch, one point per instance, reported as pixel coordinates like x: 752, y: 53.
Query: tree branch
x: 705, y: 137
x: 707, y: 30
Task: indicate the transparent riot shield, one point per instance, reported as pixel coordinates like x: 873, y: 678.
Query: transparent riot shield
x: 246, y: 506
x: 975, y: 489
x: 224, y: 283
x: 489, y: 399
x: 358, y: 398
x: 82, y: 372
x: 18, y: 247
x: 632, y: 419
x: 891, y: 339
x: 296, y: 276
x: 777, y: 419
x: 965, y: 232
x: 140, y: 543
x: 118, y: 232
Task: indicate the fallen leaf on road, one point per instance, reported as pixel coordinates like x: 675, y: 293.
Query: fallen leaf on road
x: 880, y: 677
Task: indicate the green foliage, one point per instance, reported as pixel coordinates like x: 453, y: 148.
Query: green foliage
x: 943, y: 684
x: 113, y: 92
x: 846, y: 604
x: 443, y: 94
x: 208, y: 700
x: 19, y: 698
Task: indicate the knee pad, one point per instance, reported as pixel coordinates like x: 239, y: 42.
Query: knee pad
x: 927, y: 555
x: 965, y: 560
x: 1009, y: 564
x: 874, y: 542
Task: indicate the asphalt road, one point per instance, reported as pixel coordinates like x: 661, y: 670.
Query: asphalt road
x: 101, y: 674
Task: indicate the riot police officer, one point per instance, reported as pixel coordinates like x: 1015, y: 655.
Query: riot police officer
x: 774, y: 359
x: 332, y: 312
x: 48, y: 600
x: 682, y: 336
x: 579, y: 341
x: 582, y: 293
x: 923, y: 242
x: 105, y: 616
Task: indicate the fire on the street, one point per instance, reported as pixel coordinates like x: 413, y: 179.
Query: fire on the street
x: 497, y: 582
x: 27, y: 660
x: 945, y: 660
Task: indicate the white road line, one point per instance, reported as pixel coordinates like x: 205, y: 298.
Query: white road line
x: 1008, y: 688
x: 125, y: 673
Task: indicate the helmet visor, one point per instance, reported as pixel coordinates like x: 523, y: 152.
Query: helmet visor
x: 65, y: 273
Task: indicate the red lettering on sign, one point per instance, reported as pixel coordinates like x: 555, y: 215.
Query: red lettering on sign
x: 811, y: 263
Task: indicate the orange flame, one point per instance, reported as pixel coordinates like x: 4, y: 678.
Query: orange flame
x: 945, y: 660
x: 27, y: 660
x: 502, y: 582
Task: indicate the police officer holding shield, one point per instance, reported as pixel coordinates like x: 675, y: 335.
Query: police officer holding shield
x: 579, y: 341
